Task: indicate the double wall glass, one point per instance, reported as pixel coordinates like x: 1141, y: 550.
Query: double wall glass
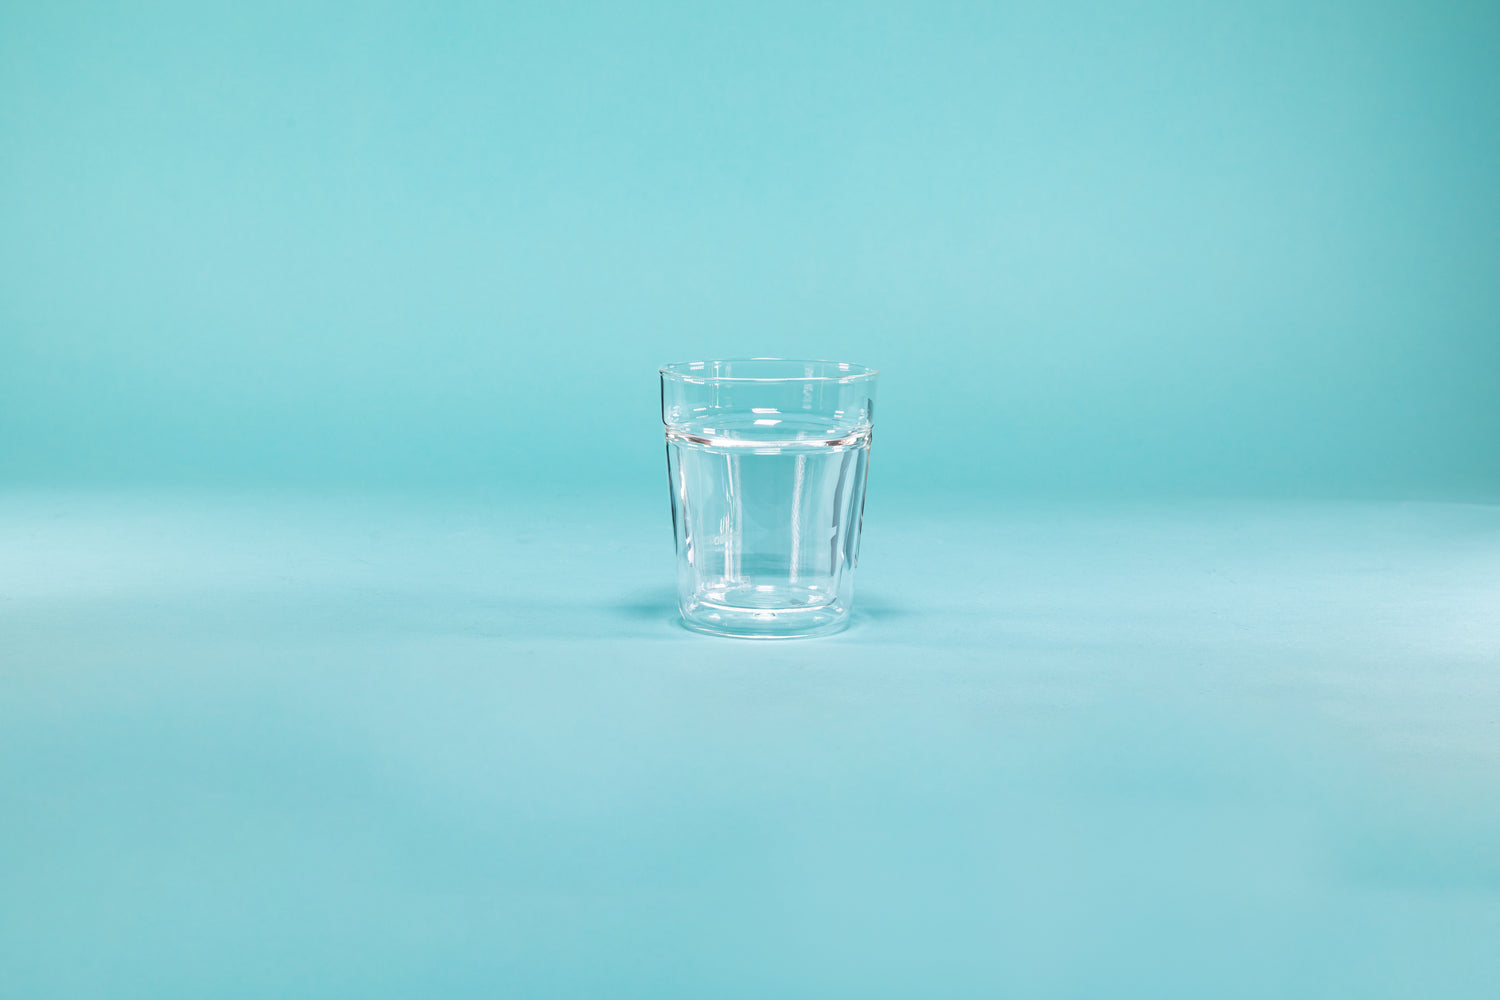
x: 767, y: 461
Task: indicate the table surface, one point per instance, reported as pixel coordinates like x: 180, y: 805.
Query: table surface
x: 308, y: 745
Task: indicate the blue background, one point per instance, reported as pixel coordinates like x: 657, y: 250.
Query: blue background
x: 1118, y: 248
x: 337, y: 642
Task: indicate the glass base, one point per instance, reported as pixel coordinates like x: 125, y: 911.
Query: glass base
x: 764, y: 612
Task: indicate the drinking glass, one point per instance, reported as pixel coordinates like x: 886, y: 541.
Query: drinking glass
x: 766, y: 460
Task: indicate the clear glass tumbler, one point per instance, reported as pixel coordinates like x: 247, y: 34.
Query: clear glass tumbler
x: 766, y: 460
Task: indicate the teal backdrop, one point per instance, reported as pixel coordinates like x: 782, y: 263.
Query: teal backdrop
x: 339, y: 652
x: 1096, y: 248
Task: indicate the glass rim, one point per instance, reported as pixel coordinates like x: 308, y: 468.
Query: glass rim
x: 698, y: 372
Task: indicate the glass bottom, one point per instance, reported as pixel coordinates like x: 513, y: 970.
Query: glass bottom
x: 764, y: 611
